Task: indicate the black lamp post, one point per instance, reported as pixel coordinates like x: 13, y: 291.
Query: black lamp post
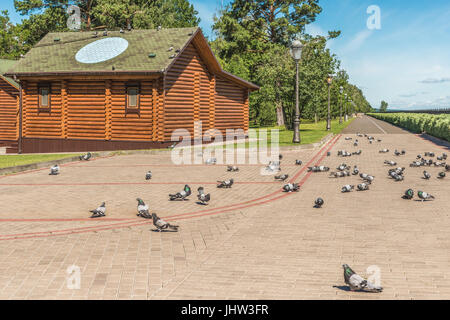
x: 341, y: 91
x: 329, y: 81
x: 296, y: 53
x: 345, y: 111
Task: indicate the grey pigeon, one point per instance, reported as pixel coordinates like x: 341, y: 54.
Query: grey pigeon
x: 298, y: 162
x: 439, y: 164
x: 409, y: 194
x: 225, y: 183
x: 86, y: 157
x: 148, y: 175
x: 99, y: 212
x: 347, y: 188
x: 274, y: 166
x: 447, y: 167
x: 363, y: 187
x: 182, y: 195
x: 348, y: 138
x: 318, y: 203
x: 291, y: 187
x: 202, y: 197
x: 441, y: 175
x: 232, y: 169
x: 357, y: 153
x: 142, y: 209
x: 390, y: 163
x: 358, y: 283
x: 429, y: 154
x: 54, y: 170
x: 211, y: 161
x: 355, y: 170
x: 160, y: 224
x: 318, y: 169
x: 384, y: 151
x: 282, y: 177
x: 424, y: 196
x: 343, y: 167
x: 415, y: 164
x: 426, y: 175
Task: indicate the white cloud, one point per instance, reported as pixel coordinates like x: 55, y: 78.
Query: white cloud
x: 357, y: 41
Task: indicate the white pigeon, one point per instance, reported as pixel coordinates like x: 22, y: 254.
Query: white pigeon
x: 142, y: 209
x: 358, y: 283
x: 99, y: 212
x: 54, y: 170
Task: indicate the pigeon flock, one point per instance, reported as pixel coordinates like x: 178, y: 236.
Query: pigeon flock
x: 396, y: 173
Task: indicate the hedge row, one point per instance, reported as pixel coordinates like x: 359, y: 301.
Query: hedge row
x: 435, y: 125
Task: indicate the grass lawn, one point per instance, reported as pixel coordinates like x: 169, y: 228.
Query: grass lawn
x: 310, y: 132
x: 17, y: 160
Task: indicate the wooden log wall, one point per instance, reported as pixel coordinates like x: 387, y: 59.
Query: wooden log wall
x: 9, y: 97
x: 229, y: 105
x: 187, y: 94
x: 132, y: 126
x: 42, y: 124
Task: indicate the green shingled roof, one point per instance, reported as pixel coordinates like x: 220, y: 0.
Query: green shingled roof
x: 7, y: 65
x: 50, y: 56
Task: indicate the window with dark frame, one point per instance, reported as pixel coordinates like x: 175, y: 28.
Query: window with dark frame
x: 133, y: 98
x: 44, y: 97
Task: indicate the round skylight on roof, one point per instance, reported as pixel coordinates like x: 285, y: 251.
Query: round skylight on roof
x: 101, y: 50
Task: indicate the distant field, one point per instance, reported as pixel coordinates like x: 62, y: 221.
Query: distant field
x: 435, y: 125
x: 18, y: 160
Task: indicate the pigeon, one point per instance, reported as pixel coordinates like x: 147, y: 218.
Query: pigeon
x: 298, y: 162
x: 182, y: 195
x: 444, y: 156
x: 99, y: 212
x: 291, y: 187
x: 54, y: 170
x: 318, y: 203
x: 429, y: 154
x: 439, y: 158
x: 148, y: 175
x: 355, y: 170
x: 225, y: 184
x: 211, y: 161
x: 142, y: 209
x: 357, y: 153
x: 348, y: 138
x: 424, y: 196
x: 328, y: 153
x: 280, y: 156
x: 439, y: 164
x: 344, y: 153
x: 441, y: 175
x: 363, y: 187
x: 340, y: 174
x: 86, y: 157
x: 232, y: 169
x: 415, y: 164
x: 447, y: 167
x: 347, y: 188
x: 384, y: 151
x: 357, y: 283
x: 367, y: 177
x: 202, y: 197
x: 273, y: 166
x: 159, y: 28
x: 343, y: 167
x: 409, y: 194
x: 403, y: 152
x: 160, y: 224
x: 397, y: 177
x: 419, y: 157
x: 282, y: 177
x: 390, y: 163
x: 379, y: 140
x: 318, y: 169
x: 426, y: 175
x: 397, y: 153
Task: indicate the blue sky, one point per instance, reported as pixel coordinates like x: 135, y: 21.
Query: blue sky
x: 406, y: 62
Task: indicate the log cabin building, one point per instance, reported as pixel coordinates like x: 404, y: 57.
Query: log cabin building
x: 121, y: 90
x: 9, y: 108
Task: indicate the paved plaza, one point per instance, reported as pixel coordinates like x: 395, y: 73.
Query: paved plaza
x: 251, y: 242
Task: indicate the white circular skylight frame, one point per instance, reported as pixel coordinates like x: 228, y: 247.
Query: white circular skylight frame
x: 101, y: 50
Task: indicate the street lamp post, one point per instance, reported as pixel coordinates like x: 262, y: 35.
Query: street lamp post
x: 341, y: 91
x: 296, y: 53
x: 345, y: 111
x: 329, y: 81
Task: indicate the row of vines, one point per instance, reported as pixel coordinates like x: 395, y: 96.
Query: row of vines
x: 435, y: 125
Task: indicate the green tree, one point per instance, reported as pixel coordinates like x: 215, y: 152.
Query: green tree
x: 9, y: 42
x: 384, y: 106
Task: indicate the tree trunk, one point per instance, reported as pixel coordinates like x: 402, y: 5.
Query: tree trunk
x: 315, y: 117
x: 280, y: 114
